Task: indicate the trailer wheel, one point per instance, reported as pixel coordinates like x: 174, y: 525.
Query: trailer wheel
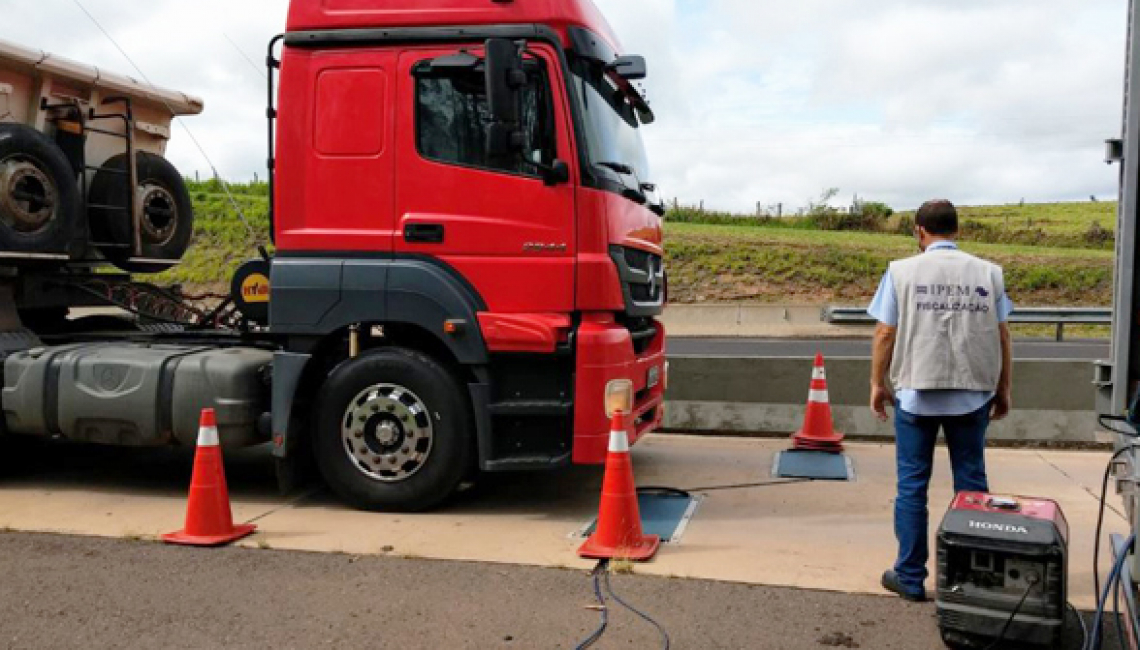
x: 167, y: 213
x: 393, y: 431
x: 39, y: 196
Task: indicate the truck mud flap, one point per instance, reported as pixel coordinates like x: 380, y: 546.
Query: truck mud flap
x: 288, y: 368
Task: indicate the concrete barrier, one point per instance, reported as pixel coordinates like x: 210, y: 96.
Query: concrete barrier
x: 754, y: 321
x: 1053, y: 399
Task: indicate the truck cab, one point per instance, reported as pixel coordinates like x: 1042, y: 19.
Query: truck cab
x: 468, y: 244
x: 466, y: 272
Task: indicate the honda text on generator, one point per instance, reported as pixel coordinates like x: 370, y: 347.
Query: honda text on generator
x: 467, y: 268
x: 1002, y: 572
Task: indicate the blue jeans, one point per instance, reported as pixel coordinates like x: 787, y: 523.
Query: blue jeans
x: 916, y: 436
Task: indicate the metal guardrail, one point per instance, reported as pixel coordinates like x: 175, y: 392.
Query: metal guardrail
x: 1059, y: 316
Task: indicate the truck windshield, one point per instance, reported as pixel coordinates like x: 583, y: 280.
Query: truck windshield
x: 613, y: 134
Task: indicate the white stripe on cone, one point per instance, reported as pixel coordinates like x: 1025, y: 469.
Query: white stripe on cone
x: 818, y: 373
x: 817, y: 396
x: 619, y: 442
x: 208, y: 437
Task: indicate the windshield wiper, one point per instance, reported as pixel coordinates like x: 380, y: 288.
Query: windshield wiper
x: 620, y: 168
x: 634, y: 192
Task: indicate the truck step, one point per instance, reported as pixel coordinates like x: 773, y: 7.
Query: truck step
x: 532, y: 408
x: 527, y: 463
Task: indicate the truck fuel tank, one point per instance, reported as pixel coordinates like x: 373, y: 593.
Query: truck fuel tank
x: 136, y: 394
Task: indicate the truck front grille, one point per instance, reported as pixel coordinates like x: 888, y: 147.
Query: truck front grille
x: 643, y: 280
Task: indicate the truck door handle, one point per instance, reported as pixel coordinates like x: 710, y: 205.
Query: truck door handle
x: 424, y: 233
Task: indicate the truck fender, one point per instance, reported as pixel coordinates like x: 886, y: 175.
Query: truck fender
x: 311, y: 295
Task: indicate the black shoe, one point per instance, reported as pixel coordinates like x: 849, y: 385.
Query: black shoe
x: 891, y: 583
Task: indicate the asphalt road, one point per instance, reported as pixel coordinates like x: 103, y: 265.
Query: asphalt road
x: 742, y: 347
x: 71, y: 592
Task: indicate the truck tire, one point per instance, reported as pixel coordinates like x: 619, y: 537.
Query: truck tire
x: 39, y: 195
x: 393, y: 431
x: 168, y: 214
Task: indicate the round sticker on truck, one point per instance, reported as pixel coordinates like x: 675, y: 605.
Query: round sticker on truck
x: 250, y: 290
x: 255, y: 288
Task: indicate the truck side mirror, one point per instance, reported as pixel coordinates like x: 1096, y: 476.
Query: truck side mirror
x: 630, y: 67
x: 556, y: 174
x: 505, y: 79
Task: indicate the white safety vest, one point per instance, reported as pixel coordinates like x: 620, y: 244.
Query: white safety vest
x: 947, y: 335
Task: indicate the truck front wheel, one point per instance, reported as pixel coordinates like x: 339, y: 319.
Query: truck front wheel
x: 393, y: 431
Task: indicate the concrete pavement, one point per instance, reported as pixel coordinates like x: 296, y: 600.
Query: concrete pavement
x: 832, y: 536
x: 83, y: 592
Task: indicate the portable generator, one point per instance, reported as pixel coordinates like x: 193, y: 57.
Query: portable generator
x: 1002, y: 571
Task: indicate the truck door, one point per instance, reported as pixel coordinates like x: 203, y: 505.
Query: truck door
x: 334, y: 151
x: 495, y: 221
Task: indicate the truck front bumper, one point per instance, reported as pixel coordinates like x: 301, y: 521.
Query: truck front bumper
x: 606, y: 353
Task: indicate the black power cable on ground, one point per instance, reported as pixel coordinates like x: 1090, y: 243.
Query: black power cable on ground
x: 640, y: 614
x: 602, y: 567
x: 601, y: 574
x: 715, y: 488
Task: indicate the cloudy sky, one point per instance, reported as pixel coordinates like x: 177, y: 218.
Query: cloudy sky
x: 980, y: 101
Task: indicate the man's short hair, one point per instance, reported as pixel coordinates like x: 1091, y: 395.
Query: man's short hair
x: 938, y: 217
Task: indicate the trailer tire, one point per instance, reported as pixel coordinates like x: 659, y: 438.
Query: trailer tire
x: 39, y: 195
x: 393, y: 431
x: 168, y: 214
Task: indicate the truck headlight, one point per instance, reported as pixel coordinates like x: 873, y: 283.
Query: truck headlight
x: 619, y: 397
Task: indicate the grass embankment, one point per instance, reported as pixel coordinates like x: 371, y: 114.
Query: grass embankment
x: 1056, y: 225
x: 1067, y: 225
x: 710, y: 263
x: 743, y: 262
x: 1053, y: 218
x: 221, y: 241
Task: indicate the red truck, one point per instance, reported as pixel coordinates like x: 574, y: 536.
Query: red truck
x: 467, y: 266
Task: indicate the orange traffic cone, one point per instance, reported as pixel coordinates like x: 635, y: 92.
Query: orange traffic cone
x: 209, y: 521
x: 618, y: 533
x: 818, y: 432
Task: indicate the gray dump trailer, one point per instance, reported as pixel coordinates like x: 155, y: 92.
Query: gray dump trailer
x: 87, y: 198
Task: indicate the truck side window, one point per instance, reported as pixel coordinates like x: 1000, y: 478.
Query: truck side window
x: 452, y: 119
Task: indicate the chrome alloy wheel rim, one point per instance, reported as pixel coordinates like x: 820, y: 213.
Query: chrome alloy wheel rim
x: 387, y: 432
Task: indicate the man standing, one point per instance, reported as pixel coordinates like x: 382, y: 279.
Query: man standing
x: 943, y: 337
